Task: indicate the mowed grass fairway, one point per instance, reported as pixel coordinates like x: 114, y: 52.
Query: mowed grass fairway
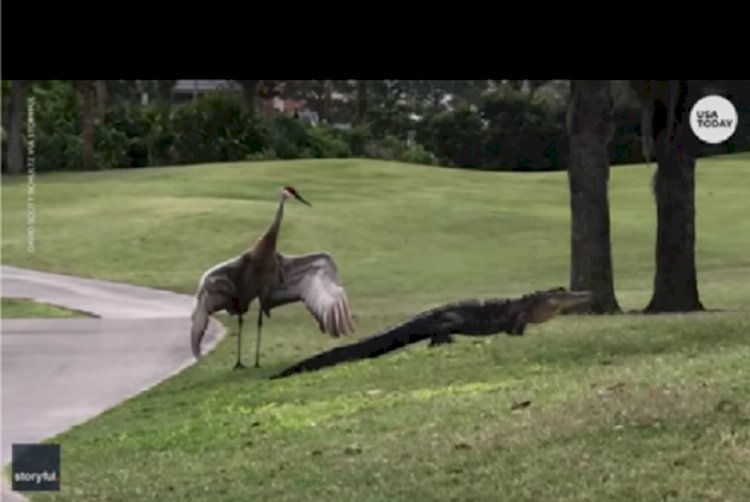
x: 624, y: 407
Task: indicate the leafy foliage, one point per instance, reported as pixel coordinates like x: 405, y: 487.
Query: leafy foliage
x: 57, y: 119
x: 391, y: 148
x: 457, y: 138
x: 475, y: 124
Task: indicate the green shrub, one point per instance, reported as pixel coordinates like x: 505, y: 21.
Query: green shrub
x: 356, y: 139
x: 457, y: 138
x: 522, y: 133
x: 134, y: 136
x: 294, y: 139
x: 265, y: 154
x: 288, y: 137
x: 325, y: 142
x: 213, y: 129
x: 57, y: 118
x: 391, y: 148
x: 416, y: 154
x: 392, y: 121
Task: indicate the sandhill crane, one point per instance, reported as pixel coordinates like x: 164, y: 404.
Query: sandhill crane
x: 274, y: 279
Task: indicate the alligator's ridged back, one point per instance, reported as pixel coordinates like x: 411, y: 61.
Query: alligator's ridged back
x: 412, y: 330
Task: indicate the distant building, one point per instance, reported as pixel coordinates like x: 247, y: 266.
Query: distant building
x: 187, y: 90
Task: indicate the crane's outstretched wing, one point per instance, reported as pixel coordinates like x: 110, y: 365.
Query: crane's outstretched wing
x: 214, y: 294
x: 313, y: 279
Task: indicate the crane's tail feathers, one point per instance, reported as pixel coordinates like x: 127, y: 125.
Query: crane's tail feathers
x: 200, y: 322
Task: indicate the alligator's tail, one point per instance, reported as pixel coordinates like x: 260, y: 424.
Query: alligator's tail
x: 375, y: 346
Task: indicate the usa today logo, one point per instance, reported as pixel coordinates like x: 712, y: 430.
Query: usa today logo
x: 713, y: 119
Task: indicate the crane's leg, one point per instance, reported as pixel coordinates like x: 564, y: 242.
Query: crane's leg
x: 257, y: 340
x: 239, y: 364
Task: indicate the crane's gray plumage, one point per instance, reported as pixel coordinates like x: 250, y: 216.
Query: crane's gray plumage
x: 217, y: 289
x: 274, y: 279
x: 313, y: 279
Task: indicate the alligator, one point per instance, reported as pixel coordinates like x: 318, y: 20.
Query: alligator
x: 484, y: 317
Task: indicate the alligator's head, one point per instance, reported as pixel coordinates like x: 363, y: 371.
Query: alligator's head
x: 544, y: 305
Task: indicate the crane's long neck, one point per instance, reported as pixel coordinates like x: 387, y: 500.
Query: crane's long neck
x: 268, y: 241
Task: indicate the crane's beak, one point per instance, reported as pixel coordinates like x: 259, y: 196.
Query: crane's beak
x: 299, y: 198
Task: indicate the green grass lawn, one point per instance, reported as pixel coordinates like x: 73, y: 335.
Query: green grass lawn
x: 23, y: 308
x: 623, y: 407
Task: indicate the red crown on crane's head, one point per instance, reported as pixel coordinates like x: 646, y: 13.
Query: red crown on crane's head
x: 290, y: 190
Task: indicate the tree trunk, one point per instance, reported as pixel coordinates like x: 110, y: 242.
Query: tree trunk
x: 590, y: 128
x: 436, y: 94
x: 675, y: 281
x: 361, y: 101
x: 15, y: 147
x: 100, y: 87
x: 88, y: 96
x: 327, y: 99
x: 249, y: 96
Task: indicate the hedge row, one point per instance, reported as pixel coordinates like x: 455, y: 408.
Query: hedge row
x: 211, y: 129
x: 510, y: 130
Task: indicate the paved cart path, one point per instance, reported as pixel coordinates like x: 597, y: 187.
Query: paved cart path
x: 57, y: 373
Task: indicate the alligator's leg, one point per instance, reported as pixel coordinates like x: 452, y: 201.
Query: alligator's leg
x: 519, y: 327
x: 448, y: 325
x: 440, y: 339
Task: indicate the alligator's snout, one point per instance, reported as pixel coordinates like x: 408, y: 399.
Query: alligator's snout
x: 553, y: 302
x: 570, y: 299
